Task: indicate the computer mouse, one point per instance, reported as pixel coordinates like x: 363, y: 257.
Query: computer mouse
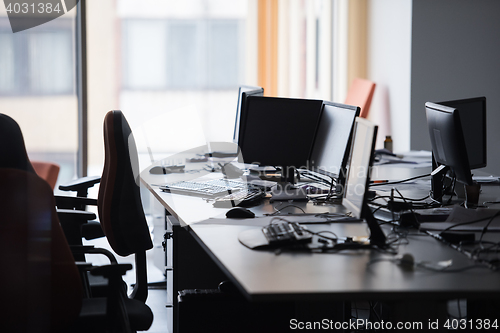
x: 164, y: 170
x: 240, y: 213
x: 159, y: 170
x: 231, y: 171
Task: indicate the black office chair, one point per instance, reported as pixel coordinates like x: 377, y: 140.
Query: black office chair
x: 119, y: 203
x: 40, y: 284
x: 12, y: 150
x: 127, y: 233
x: 76, y: 224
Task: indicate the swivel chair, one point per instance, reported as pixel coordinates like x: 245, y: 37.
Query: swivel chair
x: 360, y: 94
x: 119, y: 203
x: 40, y: 283
x: 13, y: 155
x: 47, y: 171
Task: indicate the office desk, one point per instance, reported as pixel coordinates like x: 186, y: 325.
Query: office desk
x: 347, y: 275
x: 188, y: 210
x: 207, y: 253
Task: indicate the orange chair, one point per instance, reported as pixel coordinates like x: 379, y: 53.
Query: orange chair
x: 47, y: 171
x: 360, y: 94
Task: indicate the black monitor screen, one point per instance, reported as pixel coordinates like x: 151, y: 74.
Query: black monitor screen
x: 243, y: 93
x: 331, y: 147
x: 447, y: 140
x: 473, y: 118
x: 278, y: 131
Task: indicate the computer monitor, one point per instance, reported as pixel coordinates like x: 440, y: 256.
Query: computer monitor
x: 243, y: 93
x: 447, y: 140
x: 473, y: 118
x: 359, y: 165
x: 360, y: 162
x: 278, y: 131
x: 332, y: 144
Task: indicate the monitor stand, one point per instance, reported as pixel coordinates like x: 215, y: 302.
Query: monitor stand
x: 437, y: 176
x: 469, y: 194
x: 286, y: 189
x: 377, y: 236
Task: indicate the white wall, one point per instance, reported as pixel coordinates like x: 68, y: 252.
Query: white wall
x: 389, y: 66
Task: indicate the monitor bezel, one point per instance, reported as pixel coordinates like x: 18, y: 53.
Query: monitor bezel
x: 459, y: 155
x: 243, y: 93
x: 244, y: 120
x: 345, y: 201
x: 341, y: 176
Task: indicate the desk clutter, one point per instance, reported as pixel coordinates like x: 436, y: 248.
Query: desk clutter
x: 304, y: 188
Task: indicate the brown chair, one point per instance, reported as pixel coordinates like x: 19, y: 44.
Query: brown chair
x: 13, y: 155
x: 48, y: 171
x: 360, y: 94
x: 119, y: 202
x: 40, y: 284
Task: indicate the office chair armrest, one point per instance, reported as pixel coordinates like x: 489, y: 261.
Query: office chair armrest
x: 92, y: 230
x: 79, y: 249
x: 81, y: 185
x: 79, y: 203
x: 78, y: 222
x: 116, y: 288
x: 110, y: 271
x: 71, y: 222
x: 78, y: 216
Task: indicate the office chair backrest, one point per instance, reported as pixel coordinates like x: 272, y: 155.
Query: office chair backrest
x: 47, y: 171
x: 360, y: 94
x: 12, y: 149
x: 119, y: 202
x: 13, y: 152
x: 41, y: 286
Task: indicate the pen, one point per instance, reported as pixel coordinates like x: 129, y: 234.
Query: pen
x: 379, y: 181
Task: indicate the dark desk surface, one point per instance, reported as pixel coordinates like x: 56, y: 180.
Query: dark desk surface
x: 350, y: 275
x: 262, y: 275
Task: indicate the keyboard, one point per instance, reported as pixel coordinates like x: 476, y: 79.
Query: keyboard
x: 242, y: 198
x: 286, y: 233
x: 207, y: 189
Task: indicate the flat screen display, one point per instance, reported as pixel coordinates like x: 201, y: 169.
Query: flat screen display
x: 447, y: 140
x: 243, y: 93
x: 331, y: 146
x: 360, y: 160
x: 278, y: 131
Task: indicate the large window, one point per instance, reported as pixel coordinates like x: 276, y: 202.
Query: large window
x: 37, y: 88
x: 166, y: 64
x: 182, y: 54
x: 37, y: 61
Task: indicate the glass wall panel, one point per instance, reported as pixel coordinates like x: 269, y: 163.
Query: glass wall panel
x: 37, y: 88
